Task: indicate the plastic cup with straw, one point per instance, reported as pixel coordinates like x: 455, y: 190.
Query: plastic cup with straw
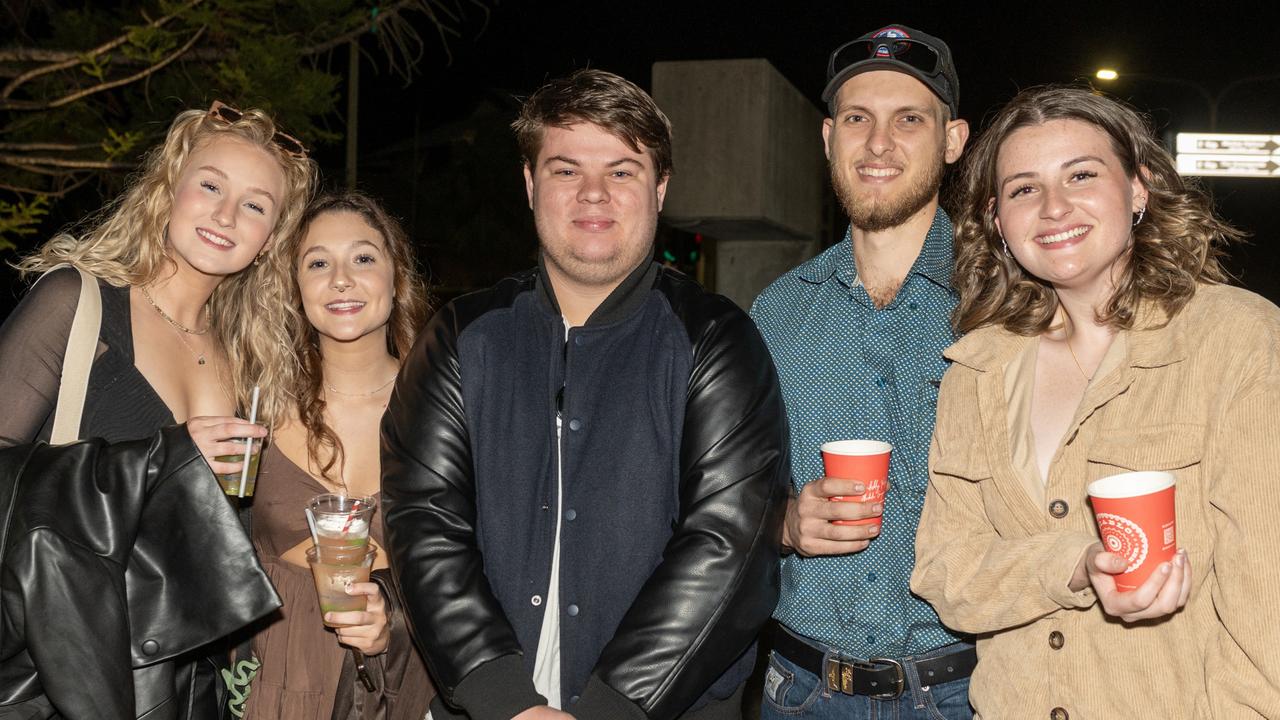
x: 248, y: 443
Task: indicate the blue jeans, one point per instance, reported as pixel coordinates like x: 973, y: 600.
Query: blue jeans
x: 792, y: 692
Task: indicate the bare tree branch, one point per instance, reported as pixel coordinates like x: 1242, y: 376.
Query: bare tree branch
x: 72, y: 97
x: 37, y: 163
x: 62, y: 59
x: 67, y: 187
x: 55, y: 147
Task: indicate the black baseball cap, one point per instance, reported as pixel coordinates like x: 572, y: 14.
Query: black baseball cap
x: 896, y: 47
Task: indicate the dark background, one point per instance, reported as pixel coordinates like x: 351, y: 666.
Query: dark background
x: 440, y: 153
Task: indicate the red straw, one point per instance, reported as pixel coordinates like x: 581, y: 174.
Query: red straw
x: 355, y: 508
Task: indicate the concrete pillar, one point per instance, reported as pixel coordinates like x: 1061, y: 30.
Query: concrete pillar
x: 749, y: 168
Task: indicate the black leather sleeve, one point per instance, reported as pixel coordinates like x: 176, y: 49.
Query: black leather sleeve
x: 718, y: 580
x: 429, y: 496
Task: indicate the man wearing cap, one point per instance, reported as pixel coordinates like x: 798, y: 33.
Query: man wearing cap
x: 857, y: 334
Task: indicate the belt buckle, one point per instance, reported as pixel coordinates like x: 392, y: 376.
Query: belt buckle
x: 899, y: 680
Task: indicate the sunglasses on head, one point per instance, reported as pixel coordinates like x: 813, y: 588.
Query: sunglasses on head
x: 914, y: 53
x: 288, y: 143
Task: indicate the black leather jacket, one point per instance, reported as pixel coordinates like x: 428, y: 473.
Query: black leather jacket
x: 674, y: 461
x: 117, y: 559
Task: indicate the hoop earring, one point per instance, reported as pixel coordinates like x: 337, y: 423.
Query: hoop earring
x: 1140, y: 214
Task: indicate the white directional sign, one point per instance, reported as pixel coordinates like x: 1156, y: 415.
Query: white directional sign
x: 1229, y: 155
x: 1255, y: 166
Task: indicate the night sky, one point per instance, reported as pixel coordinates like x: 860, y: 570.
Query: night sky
x: 998, y: 48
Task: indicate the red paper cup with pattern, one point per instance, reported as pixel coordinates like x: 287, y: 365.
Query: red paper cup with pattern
x: 1136, y: 519
x: 866, y: 461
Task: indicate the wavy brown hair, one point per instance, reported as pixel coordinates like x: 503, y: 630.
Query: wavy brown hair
x: 409, y: 306
x: 1178, y: 244
x: 124, y: 244
x: 601, y: 98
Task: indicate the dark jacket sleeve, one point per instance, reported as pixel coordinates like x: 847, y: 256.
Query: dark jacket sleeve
x: 33, y: 340
x: 717, y: 583
x: 429, y: 503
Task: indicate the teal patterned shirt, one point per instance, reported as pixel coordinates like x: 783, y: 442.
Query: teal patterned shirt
x: 851, y: 370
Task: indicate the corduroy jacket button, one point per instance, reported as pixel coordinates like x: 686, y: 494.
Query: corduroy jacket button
x: 1059, y: 714
x: 1056, y: 640
x: 1059, y: 508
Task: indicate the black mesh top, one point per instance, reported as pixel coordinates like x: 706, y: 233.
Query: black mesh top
x: 119, y: 405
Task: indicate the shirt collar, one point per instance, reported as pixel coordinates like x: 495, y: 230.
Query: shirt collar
x: 1156, y: 342
x: 936, y: 260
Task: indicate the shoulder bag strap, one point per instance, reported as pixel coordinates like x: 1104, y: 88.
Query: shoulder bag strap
x: 82, y: 345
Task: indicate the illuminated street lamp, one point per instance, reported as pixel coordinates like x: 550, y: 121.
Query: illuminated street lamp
x: 1211, y: 100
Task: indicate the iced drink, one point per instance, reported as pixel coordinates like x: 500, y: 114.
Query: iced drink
x: 341, y: 523
x: 332, y: 575
x: 230, y: 482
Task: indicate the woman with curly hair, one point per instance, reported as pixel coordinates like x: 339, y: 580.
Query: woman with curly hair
x: 1101, y: 338
x: 179, y: 261
x: 356, y: 303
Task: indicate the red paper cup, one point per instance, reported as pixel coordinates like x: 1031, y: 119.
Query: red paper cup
x: 1136, y: 519
x: 866, y: 461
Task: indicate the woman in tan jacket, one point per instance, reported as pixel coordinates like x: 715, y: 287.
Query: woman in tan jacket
x: 1099, y: 338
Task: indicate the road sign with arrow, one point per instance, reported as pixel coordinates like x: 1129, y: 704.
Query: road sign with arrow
x: 1229, y: 155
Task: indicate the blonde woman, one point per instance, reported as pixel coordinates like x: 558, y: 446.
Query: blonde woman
x: 357, y: 303
x: 180, y: 260
x: 1101, y: 338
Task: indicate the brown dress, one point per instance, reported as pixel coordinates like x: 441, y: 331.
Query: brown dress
x: 303, y: 675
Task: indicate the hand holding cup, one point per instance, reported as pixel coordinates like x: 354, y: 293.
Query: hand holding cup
x: 811, y: 527
x: 220, y: 435
x: 1164, y: 592
x: 366, y: 630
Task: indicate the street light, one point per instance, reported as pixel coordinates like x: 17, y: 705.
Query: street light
x: 1211, y: 100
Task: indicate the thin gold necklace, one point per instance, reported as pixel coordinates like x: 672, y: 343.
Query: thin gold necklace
x: 1076, y: 360
x: 170, y: 320
x: 371, y: 393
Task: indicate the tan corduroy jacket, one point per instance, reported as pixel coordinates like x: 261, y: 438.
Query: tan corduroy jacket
x: 1199, y: 397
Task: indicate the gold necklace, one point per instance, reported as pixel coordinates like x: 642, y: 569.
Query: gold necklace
x: 170, y: 320
x: 371, y: 393
x: 1075, y: 359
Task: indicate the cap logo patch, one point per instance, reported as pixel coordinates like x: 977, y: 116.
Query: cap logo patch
x: 893, y: 33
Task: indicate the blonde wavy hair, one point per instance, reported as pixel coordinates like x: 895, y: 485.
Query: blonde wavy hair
x: 124, y: 245
x: 410, y: 303
x: 1178, y: 244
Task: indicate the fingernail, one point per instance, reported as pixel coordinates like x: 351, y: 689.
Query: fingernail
x: 858, y: 489
x: 877, y: 508
x: 1177, y: 559
x: 1164, y: 568
x: 875, y: 530
x: 328, y: 617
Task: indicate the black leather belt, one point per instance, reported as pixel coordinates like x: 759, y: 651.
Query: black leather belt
x: 881, y: 678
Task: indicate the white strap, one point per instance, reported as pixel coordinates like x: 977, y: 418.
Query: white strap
x: 82, y: 346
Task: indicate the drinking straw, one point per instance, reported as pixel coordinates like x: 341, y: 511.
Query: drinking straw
x: 311, y: 523
x: 248, y: 442
x: 346, y: 526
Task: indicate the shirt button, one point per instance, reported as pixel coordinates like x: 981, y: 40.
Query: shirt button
x: 871, y: 639
x: 575, y: 424
x: 536, y: 600
x: 1059, y: 508
x: 880, y: 382
x: 570, y: 514
x: 912, y: 305
x: 1059, y: 714
x: 150, y: 647
x: 1056, y: 640
x: 577, y: 340
x: 572, y: 610
x: 871, y: 577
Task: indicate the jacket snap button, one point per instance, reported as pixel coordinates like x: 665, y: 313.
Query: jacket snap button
x: 570, y: 514
x: 1059, y: 714
x: 1059, y: 508
x: 1056, y: 641
x: 575, y: 424
x: 572, y: 610
x: 574, y: 700
x: 577, y: 340
x: 150, y: 647
x: 536, y: 600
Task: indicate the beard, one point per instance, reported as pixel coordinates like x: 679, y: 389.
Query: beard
x: 870, y: 215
